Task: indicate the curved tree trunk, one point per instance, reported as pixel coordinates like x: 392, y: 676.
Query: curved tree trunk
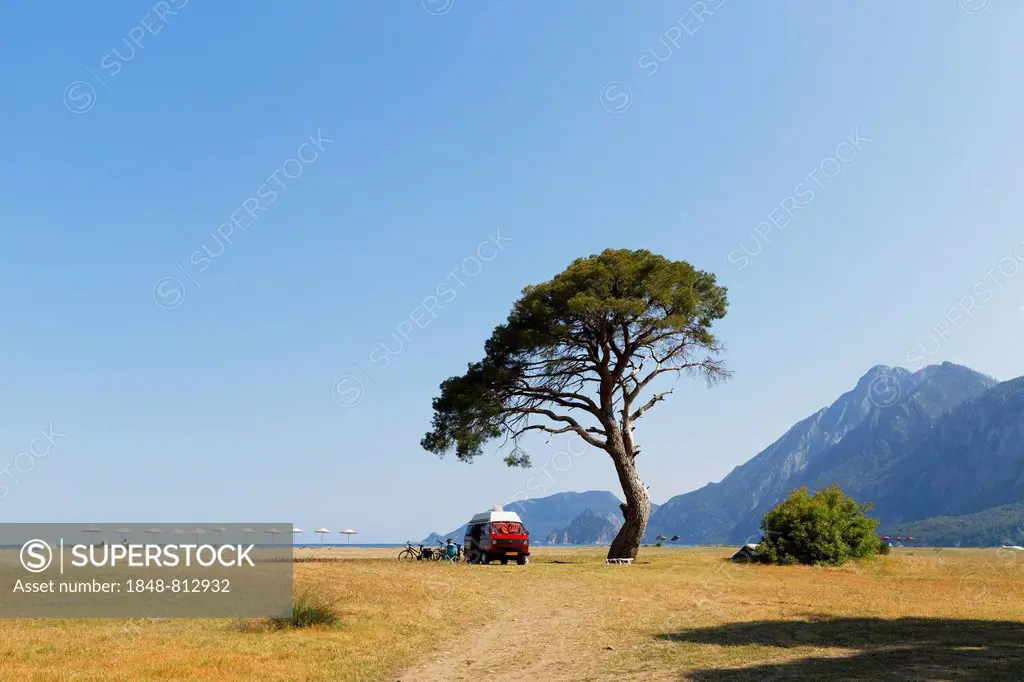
x: 636, y: 511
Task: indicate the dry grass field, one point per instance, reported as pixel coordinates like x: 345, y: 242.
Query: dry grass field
x: 679, y: 614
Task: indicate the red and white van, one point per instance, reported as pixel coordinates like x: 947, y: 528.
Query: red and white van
x: 496, y: 535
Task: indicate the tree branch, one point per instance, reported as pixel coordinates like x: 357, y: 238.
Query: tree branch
x: 655, y: 399
x: 582, y: 431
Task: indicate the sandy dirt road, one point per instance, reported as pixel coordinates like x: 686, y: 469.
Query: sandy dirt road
x: 554, y: 633
x: 532, y: 638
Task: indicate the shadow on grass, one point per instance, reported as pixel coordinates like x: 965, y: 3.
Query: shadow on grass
x: 904, y: 649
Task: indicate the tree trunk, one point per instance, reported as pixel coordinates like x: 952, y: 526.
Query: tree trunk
x: 636, y: 511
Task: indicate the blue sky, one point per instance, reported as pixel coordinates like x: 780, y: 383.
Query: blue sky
x: 565, y: 128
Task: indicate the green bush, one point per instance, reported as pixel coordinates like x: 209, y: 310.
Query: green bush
x: 828, y: 527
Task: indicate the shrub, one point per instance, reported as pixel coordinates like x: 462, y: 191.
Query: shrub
x: 309, y: 609
x: 828, y: 527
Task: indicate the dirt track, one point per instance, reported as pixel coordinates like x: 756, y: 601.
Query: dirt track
x: 531, y: 639
x: 544, y: 631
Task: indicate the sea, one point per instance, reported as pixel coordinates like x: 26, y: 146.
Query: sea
x: 360, y: 545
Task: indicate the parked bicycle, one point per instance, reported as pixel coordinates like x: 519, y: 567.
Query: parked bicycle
x: 420, y: 554
x: 423, y: 553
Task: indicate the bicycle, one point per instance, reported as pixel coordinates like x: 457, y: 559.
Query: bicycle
x: 410, y: 553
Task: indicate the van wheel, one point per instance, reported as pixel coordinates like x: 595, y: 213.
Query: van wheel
x: 521, y: 560
x: 504, y: 561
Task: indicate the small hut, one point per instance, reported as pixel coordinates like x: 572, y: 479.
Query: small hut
x: 745, y: 553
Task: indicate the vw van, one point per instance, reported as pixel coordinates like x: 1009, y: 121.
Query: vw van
x: 496, y: 535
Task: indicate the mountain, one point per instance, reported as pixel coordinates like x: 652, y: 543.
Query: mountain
x: 589, y: 528
x: 545, y: 515
x: 971, y: 461
x: 859, y: 440
x: 710, y: 514
x: 1003, y: 525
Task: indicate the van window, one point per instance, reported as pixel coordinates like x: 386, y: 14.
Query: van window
x: 507, y: 528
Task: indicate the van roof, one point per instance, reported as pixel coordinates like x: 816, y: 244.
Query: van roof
x: 489, y: 516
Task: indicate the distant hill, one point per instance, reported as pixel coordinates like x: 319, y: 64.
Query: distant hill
x: 589, y: 528
x: 1003, y: 525
x: 434, y: 539
x: 869, y: 440
x: 546, y: 515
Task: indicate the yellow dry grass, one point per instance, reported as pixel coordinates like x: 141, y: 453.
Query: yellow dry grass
x: 678, y: 614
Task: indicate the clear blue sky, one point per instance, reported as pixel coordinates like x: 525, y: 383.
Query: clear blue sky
x: 446, y: 127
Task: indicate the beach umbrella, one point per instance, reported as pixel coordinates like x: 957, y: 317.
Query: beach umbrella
x: 675, y: 538
x: 178, y: 531
x: 322, y: 532
x: 295, y: 531
x: 154, y: 532
x: 218, y: 530
x: 273, y: 532
x: 349, y: 532
x: 123, y: 532
x: 196, y: 532
x: 886, y: 538
x: 247, y: 532
x: 661, y: 538
x: 92, y: 530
